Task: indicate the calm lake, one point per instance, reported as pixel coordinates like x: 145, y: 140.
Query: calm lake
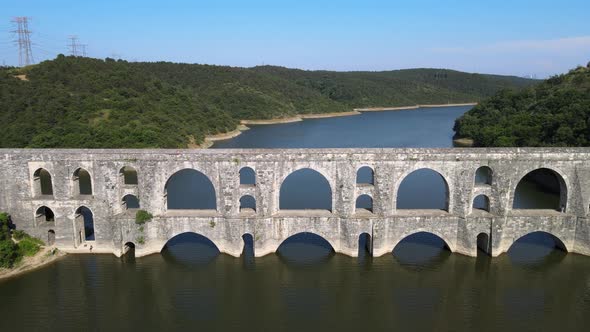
x: 419, y: 287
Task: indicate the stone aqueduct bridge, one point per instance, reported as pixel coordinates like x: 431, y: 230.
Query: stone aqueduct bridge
x: 23, y: 197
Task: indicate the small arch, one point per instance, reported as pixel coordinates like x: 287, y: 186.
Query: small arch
x: 84, y: 220
x: 248, y: 250
x: 542, y: 188
x: 481, y: 202
x: 365, y: 175
x: 128, y: 175
x: 82, y: 182
x: 484, y: 244
x: 247, y: 176
x: 305, y: 189
x: 130, y: 202
x: 247, y: 204
x: 129, y: 249
x: 483, y: 175
x: 364, y: 203
x: 190, y: 189
x: 50, y: 237
x: 42, y: 182
x: 365, y: 245
x: 44, y: 215
x: 423, y: 188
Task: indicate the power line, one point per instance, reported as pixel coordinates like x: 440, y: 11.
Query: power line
x: 25, y: 54
x: 76, y: 49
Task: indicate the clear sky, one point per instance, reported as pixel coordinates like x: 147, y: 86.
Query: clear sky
x: 518, y: 37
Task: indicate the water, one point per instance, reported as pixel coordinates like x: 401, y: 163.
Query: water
x: 305, y: 286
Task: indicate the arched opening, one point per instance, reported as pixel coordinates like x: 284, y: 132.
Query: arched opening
x: 42, y: 182
x: 190, y: 189
x: 423, y: 189
x: 248, y: 251
x: 44, y: 215
x: 483, y: 175
x: 305, y: 249
x: 537, y: 247
x: 421, y: 249
x: 247, y: 176
x: 130, y: 202
x: 190, y: 249
x: 484, y: 244
x: 365, y: 175
x: 128, y: 175
x: 365, y: 246
x: 542, y: 188
x: 84, y: 220
x: 82, y: 182
x: 50, y: 237
x: 364, y: 203
x: 129, y: 249
x: 247, y: 204
x: 481, y: 202
x: 305, y: 189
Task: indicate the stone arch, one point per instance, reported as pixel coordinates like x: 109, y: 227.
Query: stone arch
x: 249, y: 246
x: 128, y: 175
x: 130, y: 201
x: 364, y: 202
x: 481, y: 202
x: 448, y: 244
x: 42, y: 182
x: 84, y: 225
x: 312, y: 234
x: 443, y: 204
x: 197, y: 235
x: 190, y: 189
x: 44, y: 215
x: 50, y: 237
x: 82, y: 182
x: 306, y: 189
x: 484, y: 175
x: 247, y: 176
x: 365, y: 175
x: 559, y: 244
x: 545, y: 175
x: 247, y: 203
x: 365, y: 243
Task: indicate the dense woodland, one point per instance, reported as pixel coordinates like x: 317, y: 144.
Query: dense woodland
x: 77, y: 102
x: 555, y: 112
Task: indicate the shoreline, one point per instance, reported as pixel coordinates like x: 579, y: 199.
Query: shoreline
x: 211, y: 139
x: 28, y: 264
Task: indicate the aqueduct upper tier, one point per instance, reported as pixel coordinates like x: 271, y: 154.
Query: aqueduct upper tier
x: 75, y: 197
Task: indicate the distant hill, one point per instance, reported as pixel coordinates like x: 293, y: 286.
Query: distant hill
x: 82, y: 102
x: 555, y: 112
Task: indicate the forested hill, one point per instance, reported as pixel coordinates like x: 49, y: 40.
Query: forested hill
x: 82, y: 102
x: 553, y: 113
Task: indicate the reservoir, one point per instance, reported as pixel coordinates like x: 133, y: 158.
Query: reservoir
x: 419, y: 287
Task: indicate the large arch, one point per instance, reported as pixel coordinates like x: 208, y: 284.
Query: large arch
x: 448, y: 245
x: 42, y: 183
x: 82, y: 182
x: 195, y: 235
x: 305, y: 189
x: 559, y: 244
x: 541, y: 188
x: 190, y: 189
x: 84, y: 224
x: 423, y: 188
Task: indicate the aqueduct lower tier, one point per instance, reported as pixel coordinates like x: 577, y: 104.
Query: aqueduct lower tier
x: 53, y: 193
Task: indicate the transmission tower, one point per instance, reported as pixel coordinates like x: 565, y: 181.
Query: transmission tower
x: 74, y: 46
x: 25, y: 54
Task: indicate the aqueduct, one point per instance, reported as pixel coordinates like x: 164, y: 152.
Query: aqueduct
x: 79, y: 197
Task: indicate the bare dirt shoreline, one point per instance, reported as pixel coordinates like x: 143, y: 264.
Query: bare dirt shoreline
x: 44, y: 257
x: 210, y: 140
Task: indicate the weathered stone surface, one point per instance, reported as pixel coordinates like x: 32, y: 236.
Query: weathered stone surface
x: 269, y: 227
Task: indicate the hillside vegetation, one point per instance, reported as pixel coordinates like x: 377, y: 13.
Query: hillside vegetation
x: 553, y: 113
x: 79, y: 102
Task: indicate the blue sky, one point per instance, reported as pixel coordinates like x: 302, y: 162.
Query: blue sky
x: 514, y: 37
